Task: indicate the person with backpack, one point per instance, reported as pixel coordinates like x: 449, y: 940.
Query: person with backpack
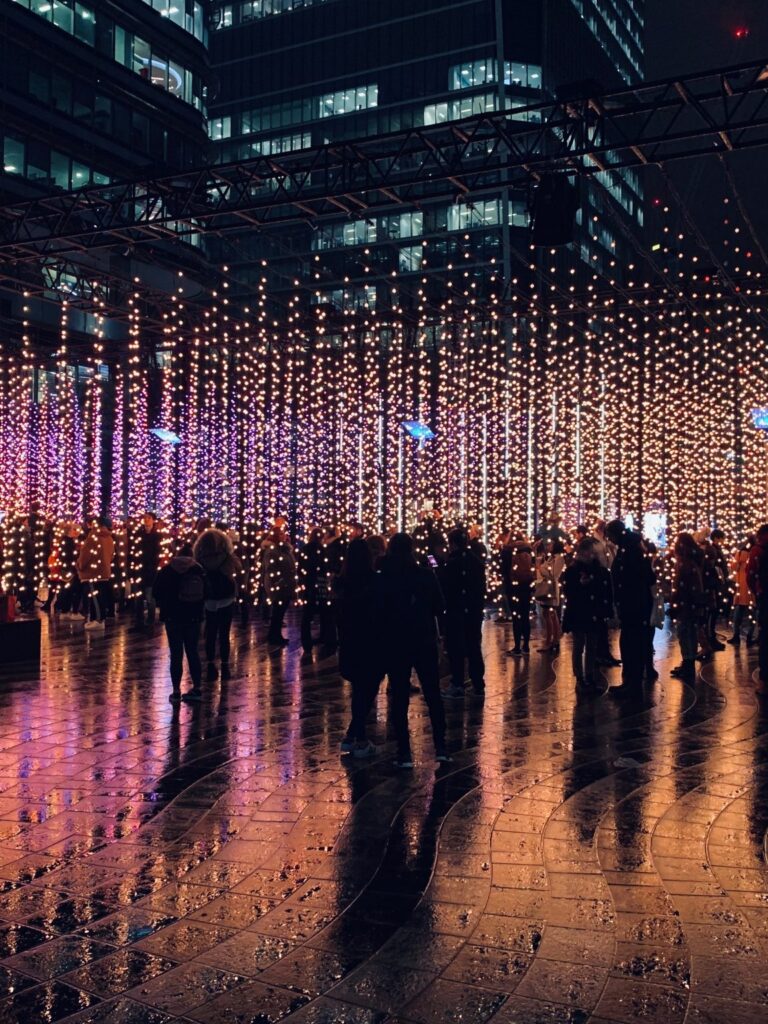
x: 214, y: 552
x: 180, y: 593
x: 757, y: 579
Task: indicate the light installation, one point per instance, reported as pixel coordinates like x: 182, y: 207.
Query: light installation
x: 632, y: 397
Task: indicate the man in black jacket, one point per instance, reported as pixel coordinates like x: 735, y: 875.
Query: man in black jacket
x: 149, y: 544
x: 632, y: 576
x: 462, y: 579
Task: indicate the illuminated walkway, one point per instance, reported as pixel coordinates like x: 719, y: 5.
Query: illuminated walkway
x: 587, y: 860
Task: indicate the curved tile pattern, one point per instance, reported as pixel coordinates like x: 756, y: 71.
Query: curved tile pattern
x: 582, y: 860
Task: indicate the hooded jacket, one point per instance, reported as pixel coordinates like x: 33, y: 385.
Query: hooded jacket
x: 167, y: 588
x: 94, y: 563
x: 214, y: 554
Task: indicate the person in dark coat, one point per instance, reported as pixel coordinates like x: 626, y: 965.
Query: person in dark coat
x: 632, y: 576
x: 215, y: 553
x: 476, y: 544
x: 361, y: 656
x: 278, y: 566
x: 149, y: 551
x: 309, y: 565
x: 517, y: 572
x: 429, y: 538
x: 588, y: 605
x: 689, y: 603
x: 180, y: 593
x: 410, y: 601
x: 757, y: 581
x: 462, y: 580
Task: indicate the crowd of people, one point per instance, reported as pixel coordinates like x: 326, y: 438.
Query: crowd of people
x: 385, y: 604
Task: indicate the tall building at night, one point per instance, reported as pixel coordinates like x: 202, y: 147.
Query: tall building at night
x: 92, y: 93
x: 298, y: 73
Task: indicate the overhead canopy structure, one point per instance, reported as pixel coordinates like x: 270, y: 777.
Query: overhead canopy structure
x: 677, y: 118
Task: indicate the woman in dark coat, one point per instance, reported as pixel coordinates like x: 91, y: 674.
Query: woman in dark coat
x: 360, y: 649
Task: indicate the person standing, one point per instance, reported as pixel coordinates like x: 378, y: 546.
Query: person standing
x: 332, y: 559
x: 214, y: 552
x: 309, y: 563
x: 462, y: 580
x: 547, y: 592
x: 149, y: 545
x: 724, y: 584
x: 94, y: 569
x: 476, y: 544
x: 69, y: 597
x: 409, y: 601
x: 361, y: 657
x: 757, y: 577
x: 429, y: 537
x: 743, y: 599
x: 517, y: 568
x: 632, y: 576
x: 279, y: 577
x: 588, y: 604
x: 688, y: 605
x: 180, y: 592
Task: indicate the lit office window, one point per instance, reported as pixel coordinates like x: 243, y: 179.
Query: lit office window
x: 410, y: 258
x: 280, y: 144
x: 346, y: 101
x: 474, y: 72
x: 403, y: 225
x: 220, y: 128
x: 221, y: 17
x: 483, y: 213
x: 528, y: 76
x: 454, y: 110
x: 13, y: 155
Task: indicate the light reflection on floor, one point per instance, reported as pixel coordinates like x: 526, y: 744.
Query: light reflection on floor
x: 582, y: 859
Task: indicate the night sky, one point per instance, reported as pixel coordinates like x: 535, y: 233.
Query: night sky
x: 696, y: 35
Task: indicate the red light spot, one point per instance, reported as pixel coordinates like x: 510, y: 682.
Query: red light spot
x: 741, y: 32
x: 657, y: 202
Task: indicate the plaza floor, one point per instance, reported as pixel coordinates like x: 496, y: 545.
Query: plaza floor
x: 583, y: 859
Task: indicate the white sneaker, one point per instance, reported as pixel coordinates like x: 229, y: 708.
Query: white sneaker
x: 93, y: 624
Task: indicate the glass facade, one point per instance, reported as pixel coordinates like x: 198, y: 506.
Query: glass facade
x: 332, y: 70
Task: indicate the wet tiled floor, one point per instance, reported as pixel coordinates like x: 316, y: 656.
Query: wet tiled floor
x: 583, y: 859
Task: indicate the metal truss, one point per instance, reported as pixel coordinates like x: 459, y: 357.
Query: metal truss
x: 696, y: 115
